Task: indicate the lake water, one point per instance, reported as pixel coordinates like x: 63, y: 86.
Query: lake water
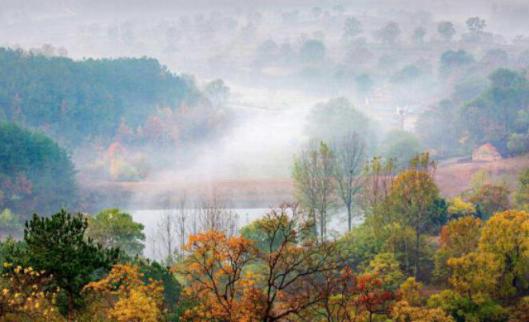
x: 151, y: 218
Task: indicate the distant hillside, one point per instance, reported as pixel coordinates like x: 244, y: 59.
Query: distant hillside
x: 77, y: 101
x: 36, y: 175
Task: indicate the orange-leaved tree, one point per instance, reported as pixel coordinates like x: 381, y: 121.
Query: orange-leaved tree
x: 216, y: 281
x: 230, y: 279
x: 351, y: 297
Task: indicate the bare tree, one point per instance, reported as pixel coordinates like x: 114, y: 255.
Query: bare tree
x: 379, y: 178
x: 172, y: 232
x: 165, y: 240
x: 212, y: 214
x: 181, y: 223
x: 349, y: 157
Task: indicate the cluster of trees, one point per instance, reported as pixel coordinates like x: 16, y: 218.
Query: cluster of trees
x: 497, y: 115
x: 57, y: 272
x: 35, y: 175
x: 77, y: 101
x: 93, y: 105
x: 415, y: 257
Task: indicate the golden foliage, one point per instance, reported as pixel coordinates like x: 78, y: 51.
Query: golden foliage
x: 461, y: 236
x: 214, y: 269
x: 475, y: 274
x: 24, y: 296
x: 459, y: 207
x: 506, y: 236
x: 127, y: 297
x: 410, y: 291
x: 402, y: 311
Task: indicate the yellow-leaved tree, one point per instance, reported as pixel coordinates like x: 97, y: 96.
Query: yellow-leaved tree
x: 506, y: 237
x: 123, y: 295
x: 410, y: 306
x: 24, y: 296
x: 458, y: 238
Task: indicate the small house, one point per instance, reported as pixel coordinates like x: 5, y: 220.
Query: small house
x: 486, y: 153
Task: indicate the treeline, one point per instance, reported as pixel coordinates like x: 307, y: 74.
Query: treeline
x: 498, y: 115
x: 491, y: 110
x: 79, y: 101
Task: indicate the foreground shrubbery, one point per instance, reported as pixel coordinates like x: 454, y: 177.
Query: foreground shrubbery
x: 287, y: 274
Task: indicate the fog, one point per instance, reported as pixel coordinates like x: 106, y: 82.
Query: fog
x: 278, y: 59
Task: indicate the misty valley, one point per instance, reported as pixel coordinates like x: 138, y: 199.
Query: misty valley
x: 279, y: 160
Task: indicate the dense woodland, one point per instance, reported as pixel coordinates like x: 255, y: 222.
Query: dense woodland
x: 394, y: 96
x: 88, y: 100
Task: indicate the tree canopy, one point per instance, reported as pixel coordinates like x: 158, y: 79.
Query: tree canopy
x: 36, y: 174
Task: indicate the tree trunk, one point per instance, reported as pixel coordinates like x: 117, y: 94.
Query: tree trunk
x: 417, y: 252
x: 322, y: 225
x: 349, y: 218
x: 314, y: 223
x: 70, y: 307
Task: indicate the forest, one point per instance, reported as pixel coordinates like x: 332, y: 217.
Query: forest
x: 415, y: 257
x: 226, y: 161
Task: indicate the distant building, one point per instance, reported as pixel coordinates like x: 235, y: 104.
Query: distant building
x: 486, y: 153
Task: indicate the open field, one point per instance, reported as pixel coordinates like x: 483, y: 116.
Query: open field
x: 452, y: 178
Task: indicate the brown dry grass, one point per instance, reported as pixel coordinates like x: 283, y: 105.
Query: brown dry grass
x: 452, y: 179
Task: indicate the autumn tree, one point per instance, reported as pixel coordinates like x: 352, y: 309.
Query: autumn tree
x: 25, y: 295
x: 293, y: 267
x: 462, y: 308
x: 475, y: 275
x: 386, y: 267
x: 283, y: 281
x: 372, y: 296
x: 413, y: 199
x: 458, y: 238
x: 216, y: 282
x: 490, y: 198
x: 348, y: 296
x: 314, y: 185
x: 458, y: 208
x: 506, y: 237
x: 402, y: 311
x: 349, y: 162
x: 126, y: 296
x: 520, y: 312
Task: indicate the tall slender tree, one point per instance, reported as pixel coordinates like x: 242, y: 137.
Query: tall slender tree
x: 314, y: 184
x: 349, y: 159
x: 413, y: 198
